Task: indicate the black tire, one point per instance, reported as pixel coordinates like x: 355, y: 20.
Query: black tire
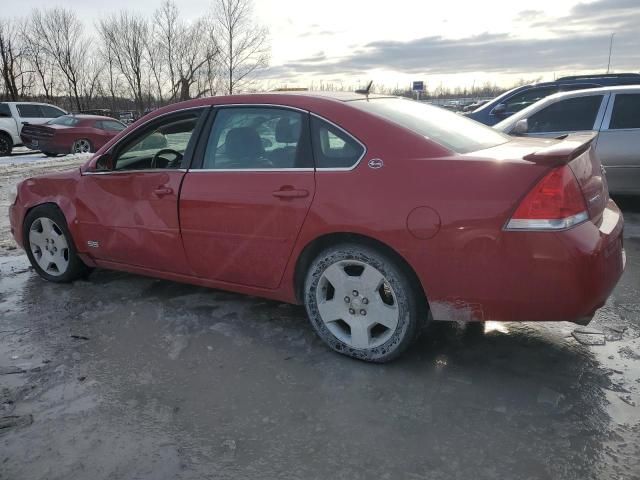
x: 80, y: 140
x: 50, y: 154
x: 6, y: 145
x: 408, y: 300
x: 75, y: 268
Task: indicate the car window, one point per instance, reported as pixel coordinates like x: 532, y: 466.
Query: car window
x: 332, y: 147
x: 161, y: 145
x: 51, y: 112
x: 626, y: 111
x: 110, y: 125
x: 29, y: 111
x: 65, y: 120
x: 257, y: 138
x: 570, y: 115
x: 4, y: 110
x: 453, y: 131
x: 528, y: 97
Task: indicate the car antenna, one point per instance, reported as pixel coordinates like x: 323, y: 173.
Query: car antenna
x: 365, y: 91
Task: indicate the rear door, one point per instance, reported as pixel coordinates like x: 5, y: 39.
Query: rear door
x: 242, y: 206
x: 619, y: 143
x: 575, y: 114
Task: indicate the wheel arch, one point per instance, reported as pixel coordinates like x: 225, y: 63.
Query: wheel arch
x: 314, y: 247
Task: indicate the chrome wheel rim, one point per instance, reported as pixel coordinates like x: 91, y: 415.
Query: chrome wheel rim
x: 49, y: 246
x: 81, y: 146
x: 357, y: 304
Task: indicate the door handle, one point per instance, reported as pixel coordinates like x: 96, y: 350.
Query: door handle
x: 290, y: 193
x: 162, y: 191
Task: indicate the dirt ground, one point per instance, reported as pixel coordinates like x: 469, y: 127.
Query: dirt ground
x: 126, y: 377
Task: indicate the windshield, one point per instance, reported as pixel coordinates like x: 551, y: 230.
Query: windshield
x: 449, y: 129
x: 65, y: 120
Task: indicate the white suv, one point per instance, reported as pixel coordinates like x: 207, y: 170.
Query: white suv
x: 15, y: 114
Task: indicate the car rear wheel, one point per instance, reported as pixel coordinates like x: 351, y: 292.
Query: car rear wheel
x: 6, y: 145
x: 361, y: 303
x: 50, y: 247
x: 81, y: 145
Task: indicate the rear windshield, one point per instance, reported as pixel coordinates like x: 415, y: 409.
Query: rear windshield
x: 64, y: 120
x: 453, y: 131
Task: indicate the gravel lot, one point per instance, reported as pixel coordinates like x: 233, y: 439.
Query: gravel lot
x: 126, y: 377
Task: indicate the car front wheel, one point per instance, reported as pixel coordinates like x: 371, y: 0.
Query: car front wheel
x: 361, y: 303
x: 50, y: 247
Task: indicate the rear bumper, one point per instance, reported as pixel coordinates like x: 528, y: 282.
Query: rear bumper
x: 45, y: 145
x: 539, y: 276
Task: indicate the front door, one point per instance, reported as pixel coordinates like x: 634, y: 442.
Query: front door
x: 128, y: 207
x: 242, y: 209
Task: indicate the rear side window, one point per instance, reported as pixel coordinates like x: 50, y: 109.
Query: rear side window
x: 51, y: 112
x: 110, y: 125
x: 4, y: 110
x: 332, y: 147
x: 626, y: 112
x: 29, y: 111
x: 65, y: 120
x: 255, y: 138
x: 529, y: 97
x: 571, y: 115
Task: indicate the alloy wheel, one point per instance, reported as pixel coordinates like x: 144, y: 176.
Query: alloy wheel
x: 357, y: 304
x: 49, y: 246
x: 81, y: 146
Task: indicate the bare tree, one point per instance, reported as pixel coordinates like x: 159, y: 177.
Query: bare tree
x: 40, y: 61
x: 188, y: 50
x: 10, y: 53
x: 127, y: 35
x: 60, y: 33
x: 244, y: 47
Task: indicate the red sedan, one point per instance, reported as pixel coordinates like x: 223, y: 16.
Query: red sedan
x: 377, y: 213
x: 71, y: 134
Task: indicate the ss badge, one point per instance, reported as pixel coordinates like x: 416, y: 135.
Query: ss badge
x: 376, y: 163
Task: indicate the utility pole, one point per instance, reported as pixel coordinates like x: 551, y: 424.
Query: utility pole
x: 610, y: 48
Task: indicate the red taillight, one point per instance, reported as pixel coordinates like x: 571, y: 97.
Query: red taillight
x: 555, y: 203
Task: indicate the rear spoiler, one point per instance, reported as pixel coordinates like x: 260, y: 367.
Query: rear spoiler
x: 562, y: 152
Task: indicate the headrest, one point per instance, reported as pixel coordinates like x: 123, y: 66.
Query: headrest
x: 287, y: 131
x: 243, y: 142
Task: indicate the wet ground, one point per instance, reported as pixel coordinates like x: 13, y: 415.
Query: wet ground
x: 126, y: 377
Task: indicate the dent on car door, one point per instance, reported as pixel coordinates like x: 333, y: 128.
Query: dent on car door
x: 128, y: 206
x: 242, y: 208
x: 566, y: 116
x: 618, y: 144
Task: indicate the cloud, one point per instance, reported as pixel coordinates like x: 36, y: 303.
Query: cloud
x: 580, y: 42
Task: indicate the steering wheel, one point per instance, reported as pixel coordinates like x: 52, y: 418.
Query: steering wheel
x: 169, y: 163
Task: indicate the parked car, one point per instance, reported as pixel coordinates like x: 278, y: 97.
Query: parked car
x: 103, y: 112
x: 614, y: 112
x: 127, y: 117
x: 519, y: 98
x: 13, y: 115
x: 376, y: 213
x: 71, y: 134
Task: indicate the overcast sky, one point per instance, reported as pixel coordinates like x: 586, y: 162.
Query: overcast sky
x: 457, y: 42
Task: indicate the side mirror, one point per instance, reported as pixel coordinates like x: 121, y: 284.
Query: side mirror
x: 499, y: 109
x: 104, y: 163
x: 521, y: 127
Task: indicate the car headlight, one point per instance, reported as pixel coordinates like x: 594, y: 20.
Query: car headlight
x: 13, y: 196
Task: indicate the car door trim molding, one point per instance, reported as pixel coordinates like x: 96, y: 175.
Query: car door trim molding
x: 306, y: 169
x: 142, y: 170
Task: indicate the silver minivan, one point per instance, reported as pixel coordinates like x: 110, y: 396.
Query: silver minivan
x: 614, y: 112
